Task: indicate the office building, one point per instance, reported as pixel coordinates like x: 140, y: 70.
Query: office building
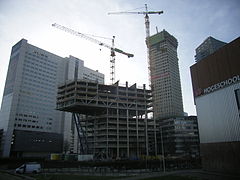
x: 112, y: 120
x: 29, y: 101
x: 165, y: 78
x: 209, y: 46
x: 216, y: 89
x: 180, y: 137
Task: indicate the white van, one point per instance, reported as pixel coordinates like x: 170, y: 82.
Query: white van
x: 31, y: 167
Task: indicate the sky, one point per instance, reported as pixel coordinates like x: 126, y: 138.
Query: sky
x: 189, y: 21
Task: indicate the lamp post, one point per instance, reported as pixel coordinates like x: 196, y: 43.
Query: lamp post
x: 163, y: 161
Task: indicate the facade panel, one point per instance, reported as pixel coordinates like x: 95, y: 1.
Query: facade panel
x: 219, y: 116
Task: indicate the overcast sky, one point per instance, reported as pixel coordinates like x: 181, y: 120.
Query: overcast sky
x: 190, y: 21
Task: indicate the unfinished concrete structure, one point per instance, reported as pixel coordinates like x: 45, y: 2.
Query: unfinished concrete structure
x: 112, y: 120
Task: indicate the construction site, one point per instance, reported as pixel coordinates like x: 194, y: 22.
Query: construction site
x: 112, y: 121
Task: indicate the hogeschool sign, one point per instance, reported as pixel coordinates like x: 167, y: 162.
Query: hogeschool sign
x: 222, y: 84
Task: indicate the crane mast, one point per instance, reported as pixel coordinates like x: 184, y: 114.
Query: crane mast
x: 112, y: 63
x: 147, y: 23
x: 147, y: 27
x: 112, y: 47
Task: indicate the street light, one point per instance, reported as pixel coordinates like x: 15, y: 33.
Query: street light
x: 163, y: 161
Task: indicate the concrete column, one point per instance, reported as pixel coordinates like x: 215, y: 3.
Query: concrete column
x: 137, y: 132
x: 146, y: 131
x: 155, y: 136
x: 107, y: 133
x: 128, y: 154
x: 94, y: 136
x: 117, y: 133
x: 127, y: 113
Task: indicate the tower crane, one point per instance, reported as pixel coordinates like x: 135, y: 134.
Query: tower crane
x: 112, y: 48
x: 147, y: 27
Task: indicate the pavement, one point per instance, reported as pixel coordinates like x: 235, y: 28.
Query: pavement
x: 199, y: 174
x: 8, y: 175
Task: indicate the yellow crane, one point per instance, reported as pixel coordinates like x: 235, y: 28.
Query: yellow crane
x: 112, y: 48
x: 147, y: 27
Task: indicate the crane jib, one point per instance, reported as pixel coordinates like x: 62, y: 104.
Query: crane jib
x: 143, y: 12
x: 87, y: 37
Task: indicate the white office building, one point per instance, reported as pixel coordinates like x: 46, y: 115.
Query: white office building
x: 29, y: 100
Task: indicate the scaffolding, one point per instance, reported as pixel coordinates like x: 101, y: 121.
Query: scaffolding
x: 112, y: 121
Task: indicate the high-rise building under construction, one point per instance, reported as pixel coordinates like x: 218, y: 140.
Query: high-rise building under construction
x: 165, y: 78
x: 177, y: 135
x: 112, y: 120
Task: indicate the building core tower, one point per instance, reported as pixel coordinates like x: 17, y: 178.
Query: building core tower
x: 165, y: 78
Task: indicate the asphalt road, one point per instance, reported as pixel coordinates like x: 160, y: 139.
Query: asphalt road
x: 12, y: 176
x: 200, y: 174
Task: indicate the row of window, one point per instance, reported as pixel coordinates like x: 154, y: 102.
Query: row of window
x: 47, y: 112
x: 52, y: 89
x: 42, y: 140
x: 39, y: 70
x: 29, y: 78
x: 38, y: 74
x: 26, y: 115
x: 26, y: 120
x: 36, y: 95
x: 43, y: 77
x: 28, y: 126
x: 19, y: 115
x: 39, y: 92
x: 39, y: 54
x: 33, y: 102
x: 35, y: 63
x: 42, y: 57
x: 48, y: 101
x: 95, y: 75
x: 90, y: 76
x: 36, y: 107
